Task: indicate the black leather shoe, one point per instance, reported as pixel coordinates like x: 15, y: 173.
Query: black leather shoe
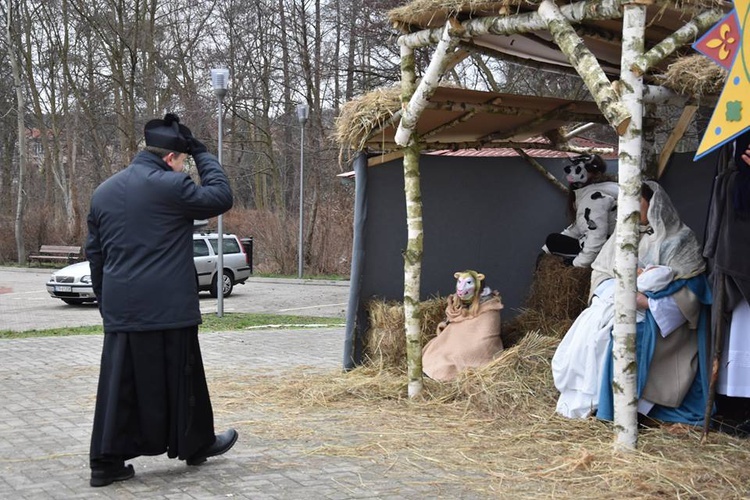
x: 107, y: 477
x: 221, y: 445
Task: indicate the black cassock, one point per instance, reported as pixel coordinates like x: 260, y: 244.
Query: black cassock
x: 152, y: 397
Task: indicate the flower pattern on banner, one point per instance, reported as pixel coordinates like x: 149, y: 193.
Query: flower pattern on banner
x: 727, y: 44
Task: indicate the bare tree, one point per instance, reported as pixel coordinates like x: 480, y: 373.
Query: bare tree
x: 13, y: 43
x: 91, y: 77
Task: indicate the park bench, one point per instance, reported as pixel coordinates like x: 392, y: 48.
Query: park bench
x: 57, y: 253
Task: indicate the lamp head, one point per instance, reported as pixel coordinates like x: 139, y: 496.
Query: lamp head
x: 219, y: 80
x: 303, y: 113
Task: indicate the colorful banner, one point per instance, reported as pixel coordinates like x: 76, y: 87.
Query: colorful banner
x: 724, y: 45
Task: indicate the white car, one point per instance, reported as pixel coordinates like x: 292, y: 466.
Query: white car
x: 72, y: 284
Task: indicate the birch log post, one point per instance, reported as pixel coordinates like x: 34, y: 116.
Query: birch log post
x: 586, y: 65
x: 413, y: 253
x: 429, y: 83
x: 520, y: 23
x: 687, y: 34
x: 624, y: 382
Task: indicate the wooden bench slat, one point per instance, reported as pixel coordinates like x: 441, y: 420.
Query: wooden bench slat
x: 57, y: 253
x: 58, y: 249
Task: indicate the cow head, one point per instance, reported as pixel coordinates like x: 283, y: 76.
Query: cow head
x: 582, y: 168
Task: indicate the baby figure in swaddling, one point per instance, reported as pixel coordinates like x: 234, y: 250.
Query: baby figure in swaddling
x: 652, y: 279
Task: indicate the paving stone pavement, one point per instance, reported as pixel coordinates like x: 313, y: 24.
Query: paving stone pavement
x: 47, y: 390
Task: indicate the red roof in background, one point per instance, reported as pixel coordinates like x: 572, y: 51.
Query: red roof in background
x: 534, y: 153
x: 510, y: 152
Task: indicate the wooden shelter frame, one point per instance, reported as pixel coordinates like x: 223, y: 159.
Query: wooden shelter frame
x: 619, y: 92
x: 621, y: 103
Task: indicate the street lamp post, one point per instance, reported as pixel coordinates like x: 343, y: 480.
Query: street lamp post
x: 303, y: 113
x: 219, y: 77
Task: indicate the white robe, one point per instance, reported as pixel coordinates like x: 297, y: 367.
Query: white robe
x: 577, y: 363
x: 578, y: 360
x: 734, y: 371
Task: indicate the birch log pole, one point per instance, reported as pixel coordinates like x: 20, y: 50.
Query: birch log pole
x: 520, y: 23
x: 420, y: 97
x: 687, y: 34
x: 540, y: 168
x: 586, y: 65
x: 624, y: 382
x: 413, y: 253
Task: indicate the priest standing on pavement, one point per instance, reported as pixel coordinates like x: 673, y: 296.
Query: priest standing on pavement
x: 152, y: 396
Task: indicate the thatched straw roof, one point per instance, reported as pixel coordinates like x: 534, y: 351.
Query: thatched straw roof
x: 369, y: 122
x: 459, y: 119
x: 602, y: 37
x: 420, y: 14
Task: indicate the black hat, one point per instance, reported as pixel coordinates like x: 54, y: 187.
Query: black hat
x: 168, y: 134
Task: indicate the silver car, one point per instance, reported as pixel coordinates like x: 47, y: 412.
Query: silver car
x: 72, y: 284
x: 206, y: 256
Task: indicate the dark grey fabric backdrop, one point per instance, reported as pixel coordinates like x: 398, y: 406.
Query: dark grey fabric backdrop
x: 491, y: 215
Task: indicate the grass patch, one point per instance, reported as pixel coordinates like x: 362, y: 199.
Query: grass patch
x: 244, y: 321
x: 52, y: 332
x: 211, y: 323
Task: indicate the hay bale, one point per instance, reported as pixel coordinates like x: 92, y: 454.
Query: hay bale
x: 533, y: 320
x: 560, y: 291
x: 385, y: 341
x: 557, y: 296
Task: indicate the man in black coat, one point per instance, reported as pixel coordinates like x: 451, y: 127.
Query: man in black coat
x: 152, y: 396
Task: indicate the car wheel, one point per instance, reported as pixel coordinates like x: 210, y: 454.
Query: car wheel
x: 73, y: 302
x: 228, y: 285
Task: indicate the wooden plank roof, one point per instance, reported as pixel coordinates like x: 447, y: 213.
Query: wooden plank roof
x: 602, y: 37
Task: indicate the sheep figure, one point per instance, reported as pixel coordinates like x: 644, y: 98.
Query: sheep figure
x: 469, y: 337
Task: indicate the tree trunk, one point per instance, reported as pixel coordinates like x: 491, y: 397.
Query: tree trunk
x: 413, y: 268
x: 12, y: 44
x: 626, y: 259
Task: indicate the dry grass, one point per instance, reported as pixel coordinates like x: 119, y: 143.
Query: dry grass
x: 492, y: 432
x: 694, y: 75
x: 361, y: 116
